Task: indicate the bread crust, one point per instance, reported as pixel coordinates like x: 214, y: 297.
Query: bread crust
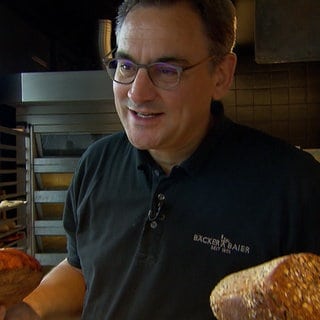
x: 286, y: 288
x: 19, y: 275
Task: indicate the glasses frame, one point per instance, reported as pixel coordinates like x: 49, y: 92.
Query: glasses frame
x: 180, y: 69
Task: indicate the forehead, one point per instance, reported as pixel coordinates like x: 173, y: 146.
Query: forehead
x: 162, y: 30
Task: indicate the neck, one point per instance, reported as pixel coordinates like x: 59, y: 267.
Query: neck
x: 168, y: 158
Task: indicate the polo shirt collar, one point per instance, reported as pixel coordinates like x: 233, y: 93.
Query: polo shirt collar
x: 214, y: 136
x: 191, y: 165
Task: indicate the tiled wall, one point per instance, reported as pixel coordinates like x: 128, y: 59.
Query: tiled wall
x: 280, y: 99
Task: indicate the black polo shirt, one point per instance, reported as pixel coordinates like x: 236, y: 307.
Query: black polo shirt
x: 153, y: 246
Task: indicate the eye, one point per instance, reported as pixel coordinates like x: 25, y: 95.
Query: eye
x: 125, y: 65
x: 165, y: 69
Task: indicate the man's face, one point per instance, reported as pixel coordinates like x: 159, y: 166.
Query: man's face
x: 156, y: 119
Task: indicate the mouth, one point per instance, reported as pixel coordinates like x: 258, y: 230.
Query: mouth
x: 145, y: 115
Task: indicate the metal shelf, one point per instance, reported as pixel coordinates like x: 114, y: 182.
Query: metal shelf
x: 3, y: 235
x: 55, y: 165
x: 50, y: 196
x: 11, y: 171
x: 49, y: 227
x: 50, y: 259
x: 14, y: 171
x: 12, y: 196
x: 48, y: 234
x: 4, y: 159
x: 8, y: 184
x: 6, y: 147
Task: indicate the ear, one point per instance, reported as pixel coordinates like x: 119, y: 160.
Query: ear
x: 223, y: 76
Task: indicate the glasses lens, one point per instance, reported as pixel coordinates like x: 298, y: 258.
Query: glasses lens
x: 121, y: 70
x: 164, y: 75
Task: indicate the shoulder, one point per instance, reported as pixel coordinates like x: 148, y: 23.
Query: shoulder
x: 105, y: 151
x: 109, y: 144
x: 258, y: 148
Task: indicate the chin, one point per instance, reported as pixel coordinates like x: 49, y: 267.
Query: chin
x: 141, y: 141
x: 139, y: 144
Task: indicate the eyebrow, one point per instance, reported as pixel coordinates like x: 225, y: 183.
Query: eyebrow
x: 167, y: 59
x: 122, y: 55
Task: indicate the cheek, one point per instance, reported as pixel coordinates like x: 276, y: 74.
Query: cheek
x: 120, y: 96
x: 194, y: 110
x: 195, y: 99
x: 119, y: 91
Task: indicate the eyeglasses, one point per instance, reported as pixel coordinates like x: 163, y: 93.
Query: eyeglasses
x: 163, y: 75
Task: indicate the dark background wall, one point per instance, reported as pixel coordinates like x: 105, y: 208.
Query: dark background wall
x: 281, y: 99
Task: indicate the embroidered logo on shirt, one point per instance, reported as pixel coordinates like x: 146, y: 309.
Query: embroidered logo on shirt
x: 221, y: 244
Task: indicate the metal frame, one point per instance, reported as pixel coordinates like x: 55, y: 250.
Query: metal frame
x: 22, y: 171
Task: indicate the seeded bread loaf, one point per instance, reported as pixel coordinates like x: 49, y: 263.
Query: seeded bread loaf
x: 286, y: 288
x: 19, y: 275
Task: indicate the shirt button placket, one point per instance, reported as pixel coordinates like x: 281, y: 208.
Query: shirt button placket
x: 154, y: 214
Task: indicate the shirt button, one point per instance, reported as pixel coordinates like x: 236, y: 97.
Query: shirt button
x: 156, y: 172
x: 161, y: 197
x: 153, y: 224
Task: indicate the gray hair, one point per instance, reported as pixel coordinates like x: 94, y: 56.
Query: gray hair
x: 218, y: 18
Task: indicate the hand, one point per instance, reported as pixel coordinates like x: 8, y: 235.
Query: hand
x: 20, y: 311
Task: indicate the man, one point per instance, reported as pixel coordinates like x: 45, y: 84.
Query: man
x: 157, y: 215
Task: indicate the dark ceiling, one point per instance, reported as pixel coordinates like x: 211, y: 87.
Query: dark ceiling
x: 74, y: 24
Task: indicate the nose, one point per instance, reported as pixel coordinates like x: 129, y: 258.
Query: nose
x: 142, y: 89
